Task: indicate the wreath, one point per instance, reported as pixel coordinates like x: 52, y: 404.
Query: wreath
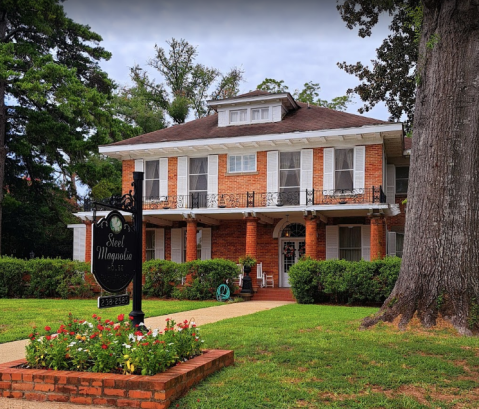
x: 288, y: 250
x: 302, y: 249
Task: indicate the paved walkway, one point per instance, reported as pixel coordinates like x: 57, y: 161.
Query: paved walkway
x: 16, y: 350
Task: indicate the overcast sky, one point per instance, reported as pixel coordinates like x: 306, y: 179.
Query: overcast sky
x: 295, y: 41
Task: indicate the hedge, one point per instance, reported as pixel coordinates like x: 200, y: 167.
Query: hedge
x: 341, y: 281
x: 42, y: 278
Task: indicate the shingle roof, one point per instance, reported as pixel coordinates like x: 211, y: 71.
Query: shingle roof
x: 303, y: 119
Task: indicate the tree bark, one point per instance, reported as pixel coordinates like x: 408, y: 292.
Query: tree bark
x: 439, y: 274
x: 3, y: 122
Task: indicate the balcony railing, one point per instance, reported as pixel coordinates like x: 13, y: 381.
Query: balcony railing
x: 258, y: 199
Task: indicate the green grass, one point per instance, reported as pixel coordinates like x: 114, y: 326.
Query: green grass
x: 20, y: 315
x: 301, y: 356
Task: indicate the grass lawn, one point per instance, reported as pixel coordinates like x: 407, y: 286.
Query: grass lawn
x: 20, y: 315
x: 300, y: 356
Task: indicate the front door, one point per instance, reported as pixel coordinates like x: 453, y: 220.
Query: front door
x: 292, y: 249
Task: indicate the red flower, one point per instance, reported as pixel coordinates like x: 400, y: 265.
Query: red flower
x: 145, y: 344
x: 121, y: 317
x: 72, y: 333
x: 93, y: 316
x: 47, y: 328
x: 138, y: 333
x: 131, y: 318
x: 193, y: 335
x: 48, y: 337
x: 104, y: 346
x: 100, y: 327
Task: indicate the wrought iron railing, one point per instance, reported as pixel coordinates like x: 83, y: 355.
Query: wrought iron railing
x: 263, y: 199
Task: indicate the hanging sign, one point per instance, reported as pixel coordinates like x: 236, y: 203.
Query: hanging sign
x: 114, y: 257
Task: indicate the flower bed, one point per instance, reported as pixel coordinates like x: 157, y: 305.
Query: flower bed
x: 135, y: 391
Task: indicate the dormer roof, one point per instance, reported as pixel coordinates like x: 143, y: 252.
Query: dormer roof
x: 257, y: 96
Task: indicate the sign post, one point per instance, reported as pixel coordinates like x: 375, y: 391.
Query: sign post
x: 118, y: 249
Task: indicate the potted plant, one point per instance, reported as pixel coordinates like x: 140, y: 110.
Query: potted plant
x: 247, y: 262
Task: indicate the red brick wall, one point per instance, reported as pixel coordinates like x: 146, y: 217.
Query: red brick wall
x: 172, y: 176
x: 374, y: 166
x: 128, y: 167
x: 245, y: 182
x: 88, y: 238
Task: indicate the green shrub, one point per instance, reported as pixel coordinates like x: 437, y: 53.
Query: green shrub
x: 13, y: 271
x: 161, y: 277
x: 206, y: 276
x: 341, y: 281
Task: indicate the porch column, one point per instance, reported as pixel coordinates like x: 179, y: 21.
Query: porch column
x: 191, y: 250
x: 88, y: 240
x: 311, y: 249
x: 251, y: 243
x: 378, y: 238
x: 321, y: 249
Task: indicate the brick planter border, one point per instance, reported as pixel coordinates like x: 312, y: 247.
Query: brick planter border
x: 87, y: 388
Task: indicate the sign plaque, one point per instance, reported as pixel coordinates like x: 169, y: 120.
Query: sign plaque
x: 110, y: 301
x: 114, y: 252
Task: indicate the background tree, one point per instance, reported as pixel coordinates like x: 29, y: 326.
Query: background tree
x: 439, y: 276
x: 309, y: 94
x: 392, y: 78
x: 52, y: 99
x: 190, y: 83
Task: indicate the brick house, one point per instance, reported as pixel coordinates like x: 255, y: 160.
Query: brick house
x: 270, y: 177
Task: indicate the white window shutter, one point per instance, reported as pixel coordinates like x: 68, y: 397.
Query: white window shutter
x: 272, y: 171
x: 391, y: 243
x: 332, y: 242
x: 306, y: 173
x: 177, y: 245
x: 328, y: 171
x: 79, y: 238
x: 205, y: 244
x: 139, y: 165
x: 366, y: 243
x: 163, y: 178
x: 160, y: 244
x: 182, y: 183
x: 391, y: 184
x: 212, y: 181
x: 359, y: 167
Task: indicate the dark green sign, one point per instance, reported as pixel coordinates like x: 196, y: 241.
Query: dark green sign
x: 114, y: 257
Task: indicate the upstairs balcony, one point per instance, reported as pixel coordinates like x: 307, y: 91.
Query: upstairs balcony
x: 200, y: 200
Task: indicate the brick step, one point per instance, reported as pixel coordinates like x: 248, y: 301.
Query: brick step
x: 274, y: 294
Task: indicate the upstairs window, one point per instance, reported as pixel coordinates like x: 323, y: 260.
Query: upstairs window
x: 289, y: 177
x: 241, y: 163
x: 402, y: 179
x: 237, y: 116
x: 199, y: 180
x: 152, y: 179
x: 344, y: 169
x: 259, y: 114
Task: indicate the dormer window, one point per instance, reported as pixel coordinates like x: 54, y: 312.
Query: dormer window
x: 260, y: 114
x: 238, y: 115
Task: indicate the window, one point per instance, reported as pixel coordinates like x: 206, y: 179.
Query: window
x: 350, y: 243
x: 238, y: 115
x: 152, y: 179
x: 260, y: 114
x: 402, y: 179
x: 344, y: 169
x: 199, y: 181
x: 399, y: 244
x: 289, y: 177
x: 150, y: 245
x: 241, y: 163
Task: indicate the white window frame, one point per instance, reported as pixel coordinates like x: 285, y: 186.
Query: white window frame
x: 261, y: 111
x: 239, y: 112
x: 157, y: 180
x: 242, y: 170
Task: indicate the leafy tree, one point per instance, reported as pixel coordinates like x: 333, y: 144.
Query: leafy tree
x: 309, y: 94
x: 438, y: 276
x: 392, y: 78
x: 190, y: 83
x: 52, y: 98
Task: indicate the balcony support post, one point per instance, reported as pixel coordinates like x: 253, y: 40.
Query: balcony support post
x: 311, y: 249
x: 378, y: 237
x: 252, y: 243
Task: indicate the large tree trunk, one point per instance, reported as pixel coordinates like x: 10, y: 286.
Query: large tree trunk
x: 439, y: 274
x: 3, y: 123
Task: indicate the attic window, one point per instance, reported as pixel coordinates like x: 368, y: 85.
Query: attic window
x: 260, y: 114
x: 238, y: 115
